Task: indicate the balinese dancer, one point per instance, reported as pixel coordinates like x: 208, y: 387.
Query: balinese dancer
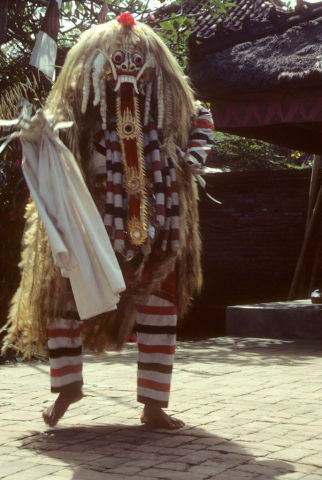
x: 130, y: 127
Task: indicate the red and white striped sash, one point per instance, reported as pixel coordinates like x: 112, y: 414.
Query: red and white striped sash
x: 161, y: 177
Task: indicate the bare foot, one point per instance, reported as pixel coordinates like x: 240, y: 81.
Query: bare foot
x: 57, y: 410
x: 156, y: 417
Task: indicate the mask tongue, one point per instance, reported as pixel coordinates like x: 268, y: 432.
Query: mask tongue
x: 130, y: 134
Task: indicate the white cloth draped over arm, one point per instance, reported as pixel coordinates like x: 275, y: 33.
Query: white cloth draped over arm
x: 80, y: 245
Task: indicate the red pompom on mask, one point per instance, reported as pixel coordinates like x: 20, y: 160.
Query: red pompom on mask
x: 126, y: 20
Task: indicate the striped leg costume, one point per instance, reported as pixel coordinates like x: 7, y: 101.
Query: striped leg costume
x: 156, y: 328
x: 65, y: 354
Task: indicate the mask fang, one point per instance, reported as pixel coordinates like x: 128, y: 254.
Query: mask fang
x: 128, y: 79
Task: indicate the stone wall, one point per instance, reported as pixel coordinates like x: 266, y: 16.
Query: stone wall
x: 251, y: 242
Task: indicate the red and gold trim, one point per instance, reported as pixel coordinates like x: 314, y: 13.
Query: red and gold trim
x: 130, y: 134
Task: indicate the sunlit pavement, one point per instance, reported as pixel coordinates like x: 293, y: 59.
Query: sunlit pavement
x: 252, y: 408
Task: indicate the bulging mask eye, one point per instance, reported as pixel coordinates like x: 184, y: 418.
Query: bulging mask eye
x: 137, y: 59
x: 118, y: 57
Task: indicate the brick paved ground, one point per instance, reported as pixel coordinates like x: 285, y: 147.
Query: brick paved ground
x: 253, y: 410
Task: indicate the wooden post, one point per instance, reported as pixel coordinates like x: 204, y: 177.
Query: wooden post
x: 308, y: 234
x: 313, y: 184
x: 314, y: 179
x: 314, y: 273
x: 302, y: 291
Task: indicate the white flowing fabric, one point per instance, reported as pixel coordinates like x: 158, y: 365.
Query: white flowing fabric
x: 79, y: 242
x: 44, y: 54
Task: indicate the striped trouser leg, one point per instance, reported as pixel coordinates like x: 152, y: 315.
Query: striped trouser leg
x: 65, y: 354
x: 156, y: 329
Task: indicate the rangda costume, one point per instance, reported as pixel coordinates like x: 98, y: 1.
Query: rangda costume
x: 137, y: 137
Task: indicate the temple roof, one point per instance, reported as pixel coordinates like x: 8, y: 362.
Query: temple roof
x: 245, y: 14
x: 249, y: 20
x: 261, y: 70
x: 291, y: 58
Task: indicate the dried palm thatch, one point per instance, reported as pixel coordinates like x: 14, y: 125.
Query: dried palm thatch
x: 31, y: 309
x: 27, y: 89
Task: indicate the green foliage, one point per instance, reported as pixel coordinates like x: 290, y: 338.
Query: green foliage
x: 173, y: 28
x: 24, y: 20
x: 176, y: 29
x: 241, y: 154
x: 289, y: 6
x: 17, y: 82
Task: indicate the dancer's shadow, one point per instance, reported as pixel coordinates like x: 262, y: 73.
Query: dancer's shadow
x: 142, y: 452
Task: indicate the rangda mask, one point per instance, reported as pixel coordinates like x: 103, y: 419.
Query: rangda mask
x: 125, y: 61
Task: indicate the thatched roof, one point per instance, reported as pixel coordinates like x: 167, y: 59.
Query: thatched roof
x: 261, y: 70
x: 268, y: 55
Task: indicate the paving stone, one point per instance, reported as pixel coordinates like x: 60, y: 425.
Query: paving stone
x: 85, y: 457
x: 318, y: 471
x: 178, y: 466
x: 290, y: 476
x: 260, y: 470
x: 256, y: 449
x: 85, y: 474
x: 144, y: 464
x: 257, y: 415
x: 34, y: 473
x: 172, y: 475
x: 281, y: 441
x: 9, y: 468
x: 128, y: 470
x: 287, y: 466
x: 38, y: 459
x: 210, y: 441
x: 53, y: 477
x: 207, y: 469
x: 234, y: 475
x: 315, y: 460
x: 312, y: 477
x: 197, y: 457
x: 292, y: 454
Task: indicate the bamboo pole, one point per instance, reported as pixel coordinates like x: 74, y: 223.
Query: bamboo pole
x: 314, y: 272
x: 313, y: 185
x: 314, y: 179
x: 302, y: 292
x: 308, y: 234
x: 315, y: 268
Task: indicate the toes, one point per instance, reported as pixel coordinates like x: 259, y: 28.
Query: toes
x: 177, y: 423
x: 157, y: 418
x: 169, y: 424
x: 49, y: 419
x: 172, y: 423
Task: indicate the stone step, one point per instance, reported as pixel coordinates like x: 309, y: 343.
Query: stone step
x: 296, y: 319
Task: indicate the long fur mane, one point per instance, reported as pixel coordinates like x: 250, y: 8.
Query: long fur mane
x: 66, y: 98
x: 31, y: 309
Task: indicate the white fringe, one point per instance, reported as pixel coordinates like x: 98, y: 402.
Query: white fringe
x: 87, y: 80
x: 160, y: 101
x: 148, y: 96
x: 98, y: 69
x: 103, y: 104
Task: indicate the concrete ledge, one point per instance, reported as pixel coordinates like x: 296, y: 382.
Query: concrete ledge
x: 297, y: 319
